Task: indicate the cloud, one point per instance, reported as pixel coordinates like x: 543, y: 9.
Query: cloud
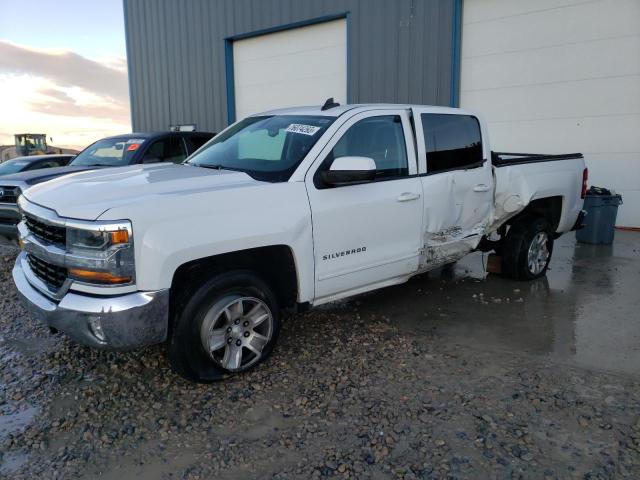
x: 66, y: 69
x: 71, y: 98
x: 58, y: 102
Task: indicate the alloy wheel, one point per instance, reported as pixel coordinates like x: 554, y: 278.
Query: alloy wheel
x: 235, y: 331
x: 538, y: 254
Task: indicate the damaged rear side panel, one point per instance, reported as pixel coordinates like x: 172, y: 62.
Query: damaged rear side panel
x: 521, y: 179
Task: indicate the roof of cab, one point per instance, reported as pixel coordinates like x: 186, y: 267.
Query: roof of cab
x: 135, y: 135
x: 339, y: 110
x: 149, y: 135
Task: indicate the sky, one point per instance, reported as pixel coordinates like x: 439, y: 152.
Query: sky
x: 63, y: 70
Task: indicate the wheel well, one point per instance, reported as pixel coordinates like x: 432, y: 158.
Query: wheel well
x: 549, y: 208
x: 275, y: 264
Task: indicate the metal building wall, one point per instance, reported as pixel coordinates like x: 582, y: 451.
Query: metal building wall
x: 400, y: 51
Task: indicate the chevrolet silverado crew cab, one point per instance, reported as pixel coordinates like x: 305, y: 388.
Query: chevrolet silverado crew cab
x: 116, y: 151
x: 289, y: 208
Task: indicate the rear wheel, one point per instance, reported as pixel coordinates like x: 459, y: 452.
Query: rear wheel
x: 229, y: 325
x: 527, y: 249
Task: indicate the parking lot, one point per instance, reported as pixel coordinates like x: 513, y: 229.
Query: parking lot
x: 455, y: 374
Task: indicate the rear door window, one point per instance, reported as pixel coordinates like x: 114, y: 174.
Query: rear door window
x: 451, y: 141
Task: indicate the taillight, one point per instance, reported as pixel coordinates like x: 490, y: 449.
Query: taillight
x: 585, y: 177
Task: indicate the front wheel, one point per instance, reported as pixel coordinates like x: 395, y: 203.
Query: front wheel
x: 527, y: 249
x: 229, y: 325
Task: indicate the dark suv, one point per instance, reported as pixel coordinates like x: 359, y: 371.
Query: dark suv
x: 117, y: 151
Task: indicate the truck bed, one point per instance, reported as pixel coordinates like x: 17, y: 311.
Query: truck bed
x: 522, y: 178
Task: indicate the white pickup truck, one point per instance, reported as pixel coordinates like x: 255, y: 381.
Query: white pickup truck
x: 285, y: 209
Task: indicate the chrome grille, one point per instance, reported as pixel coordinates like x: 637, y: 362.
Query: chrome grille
x: 46, y: 232
x: 52, y: 275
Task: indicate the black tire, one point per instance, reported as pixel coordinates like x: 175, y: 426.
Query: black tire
x: 516, y: 245
x: 187, y: 354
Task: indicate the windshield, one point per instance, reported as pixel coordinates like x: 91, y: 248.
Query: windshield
x: 266, y: 148
x: 110, y: 152
x: 13, y: 166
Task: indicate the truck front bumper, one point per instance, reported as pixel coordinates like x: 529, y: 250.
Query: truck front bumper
x: 122, y: 322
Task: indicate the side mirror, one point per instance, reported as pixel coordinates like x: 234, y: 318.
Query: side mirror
x: 349, y: 170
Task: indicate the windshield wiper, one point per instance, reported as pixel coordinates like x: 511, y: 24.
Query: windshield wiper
x: 217, y: 167
x: 213, y: 167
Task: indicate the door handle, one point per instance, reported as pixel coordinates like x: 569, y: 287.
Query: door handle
x: 481, y: 187
x: 408, y: 196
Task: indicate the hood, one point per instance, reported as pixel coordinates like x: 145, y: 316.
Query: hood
x: 87, y: 195
x: 32, y: 177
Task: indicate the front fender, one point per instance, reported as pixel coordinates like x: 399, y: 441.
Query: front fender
x: 174, y: 231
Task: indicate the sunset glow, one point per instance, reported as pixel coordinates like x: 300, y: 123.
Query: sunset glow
x: 72, y: 88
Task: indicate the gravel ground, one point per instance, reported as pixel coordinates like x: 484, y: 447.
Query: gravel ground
x: 346, y: 394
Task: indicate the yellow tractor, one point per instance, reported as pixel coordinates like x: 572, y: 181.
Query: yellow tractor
x: 31, y: 144
x: 27, y: 144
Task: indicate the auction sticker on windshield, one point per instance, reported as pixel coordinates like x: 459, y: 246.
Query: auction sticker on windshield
x: 134, y: 143
x: 304, y: 129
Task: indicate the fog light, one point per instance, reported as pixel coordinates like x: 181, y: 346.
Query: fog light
x: 96, y: 328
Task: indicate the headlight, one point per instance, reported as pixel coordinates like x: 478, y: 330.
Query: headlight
x: 95, y: 240
x: 101, y: 256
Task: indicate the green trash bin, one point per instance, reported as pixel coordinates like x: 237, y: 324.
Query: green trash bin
x: 600, y: 221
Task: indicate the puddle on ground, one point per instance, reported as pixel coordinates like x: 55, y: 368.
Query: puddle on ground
x: 10, y: 462
x: 584, y: 311
x: 28, y: 346
x: 11, y: 424
x: 15, y: 422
